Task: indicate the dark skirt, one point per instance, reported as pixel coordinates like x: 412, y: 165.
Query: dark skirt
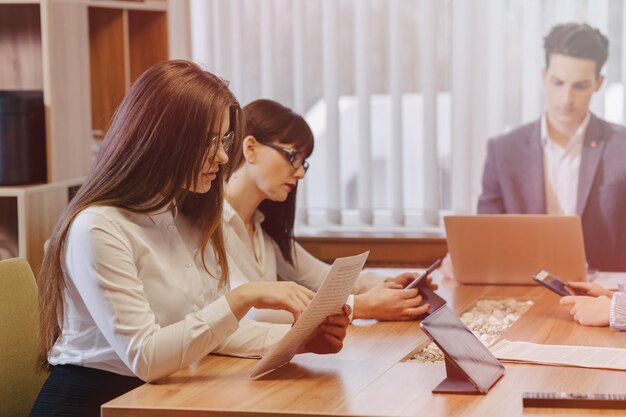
x: 80, y: 391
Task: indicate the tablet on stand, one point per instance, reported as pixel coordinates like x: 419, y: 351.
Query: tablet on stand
x: 470, y: 367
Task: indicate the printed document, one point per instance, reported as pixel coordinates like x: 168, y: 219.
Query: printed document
x: 610, y: 280
x: 332, y: 295
x: 560, y: 355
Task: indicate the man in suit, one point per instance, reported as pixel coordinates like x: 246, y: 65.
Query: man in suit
x: 569, y: 161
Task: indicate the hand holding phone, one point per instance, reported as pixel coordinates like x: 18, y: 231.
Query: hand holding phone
x: 553, y: 283
x: 428, y: 295
x: 420, y: 280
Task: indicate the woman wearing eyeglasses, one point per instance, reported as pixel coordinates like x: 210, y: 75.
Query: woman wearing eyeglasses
x: 133, y: 284
x: 259, y: 217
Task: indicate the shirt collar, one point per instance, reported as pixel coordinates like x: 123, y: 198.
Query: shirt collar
x: 229, y: 213
x: 574, y: 140
x: 169, y: 212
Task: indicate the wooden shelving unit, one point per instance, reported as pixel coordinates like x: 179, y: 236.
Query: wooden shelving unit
x: 20, y: 47
x: 123, y: 43
x: 107, y: 64
x: 84, y: 55
x: 147, y: 38
x: 28, y: 215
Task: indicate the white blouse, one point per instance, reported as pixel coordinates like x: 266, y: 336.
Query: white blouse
x: 138, y: 301
x: 261, y: 260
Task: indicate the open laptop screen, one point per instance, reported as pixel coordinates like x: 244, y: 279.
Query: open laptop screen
x: 509, y: 249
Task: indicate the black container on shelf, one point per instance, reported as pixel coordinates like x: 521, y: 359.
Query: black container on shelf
x: 22, y: 138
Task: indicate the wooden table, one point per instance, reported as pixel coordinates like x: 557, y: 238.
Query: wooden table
x: 371, y: 377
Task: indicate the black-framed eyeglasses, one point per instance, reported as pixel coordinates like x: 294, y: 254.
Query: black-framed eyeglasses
x: 227, y: 140
x: 295, y: 158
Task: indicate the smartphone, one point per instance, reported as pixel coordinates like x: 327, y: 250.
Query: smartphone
x: 552, y: 283
x: 428, y: 295
x: 420, y: 280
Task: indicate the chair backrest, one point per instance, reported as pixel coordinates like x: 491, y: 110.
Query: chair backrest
x: 20, y: 381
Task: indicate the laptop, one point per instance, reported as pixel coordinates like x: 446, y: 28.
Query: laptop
x: 510, y: 249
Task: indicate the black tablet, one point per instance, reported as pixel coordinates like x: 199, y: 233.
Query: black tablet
x: 470, y: 367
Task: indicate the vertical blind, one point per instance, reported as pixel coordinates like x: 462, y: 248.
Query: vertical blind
x: 402, y: 95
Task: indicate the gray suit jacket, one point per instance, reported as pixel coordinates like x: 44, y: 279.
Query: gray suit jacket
x: 513, y: 183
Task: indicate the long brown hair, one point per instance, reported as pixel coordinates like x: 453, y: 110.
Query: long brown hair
x: 271, y: 122
x: 157, y: 142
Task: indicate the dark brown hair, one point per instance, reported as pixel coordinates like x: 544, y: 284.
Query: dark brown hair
x: 157, y: 142
x: 271, y: 122
x: 577, y: 40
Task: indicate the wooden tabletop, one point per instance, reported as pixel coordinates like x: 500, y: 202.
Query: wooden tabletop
x: 371, y: 377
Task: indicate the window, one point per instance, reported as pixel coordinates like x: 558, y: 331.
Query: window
x: 402, y: 95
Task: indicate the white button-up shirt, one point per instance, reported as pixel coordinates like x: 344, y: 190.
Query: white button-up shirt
x: 260, y: 259
x: 561, y: 169
x: 138, y: 301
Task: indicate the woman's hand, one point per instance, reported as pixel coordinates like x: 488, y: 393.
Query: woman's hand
x: 389, y: 301
x: 587, y: 288
x: 406, y: 278
x: 403, y: 279
x: 269, y: 295
x: 589, y: 311
x: 330, y: 334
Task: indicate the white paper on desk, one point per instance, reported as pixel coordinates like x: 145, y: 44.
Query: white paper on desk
x: 329, y: 299
x: 610, y: 280
x: 560, y: 355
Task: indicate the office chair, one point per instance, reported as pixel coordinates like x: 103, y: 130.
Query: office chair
x: 20, y: 381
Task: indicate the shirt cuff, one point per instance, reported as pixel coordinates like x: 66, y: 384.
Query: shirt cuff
x: 275, y: 332
x: 220, y: 318
x: 618, y: 312
x: 253, y: 339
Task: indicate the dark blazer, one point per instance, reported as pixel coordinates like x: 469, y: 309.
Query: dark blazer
x: 513, y: 183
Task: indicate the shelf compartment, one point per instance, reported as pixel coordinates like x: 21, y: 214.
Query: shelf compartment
x: 20, y: 47
x: 107, y: 57
x: 147, y: 32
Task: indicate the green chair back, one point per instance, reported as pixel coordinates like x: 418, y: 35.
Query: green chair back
x: 20, y: 381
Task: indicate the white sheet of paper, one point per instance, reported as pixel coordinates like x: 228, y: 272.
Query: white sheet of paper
x: 560, y: 355
x: 610, y: 280
x: 329, y: 299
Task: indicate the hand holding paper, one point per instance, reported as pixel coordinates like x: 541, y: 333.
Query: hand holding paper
x: 330, y: 334
x: 329, y: 300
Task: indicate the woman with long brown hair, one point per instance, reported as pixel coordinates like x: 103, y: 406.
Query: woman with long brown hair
x: 134, y: 282
x: 259, y: 215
